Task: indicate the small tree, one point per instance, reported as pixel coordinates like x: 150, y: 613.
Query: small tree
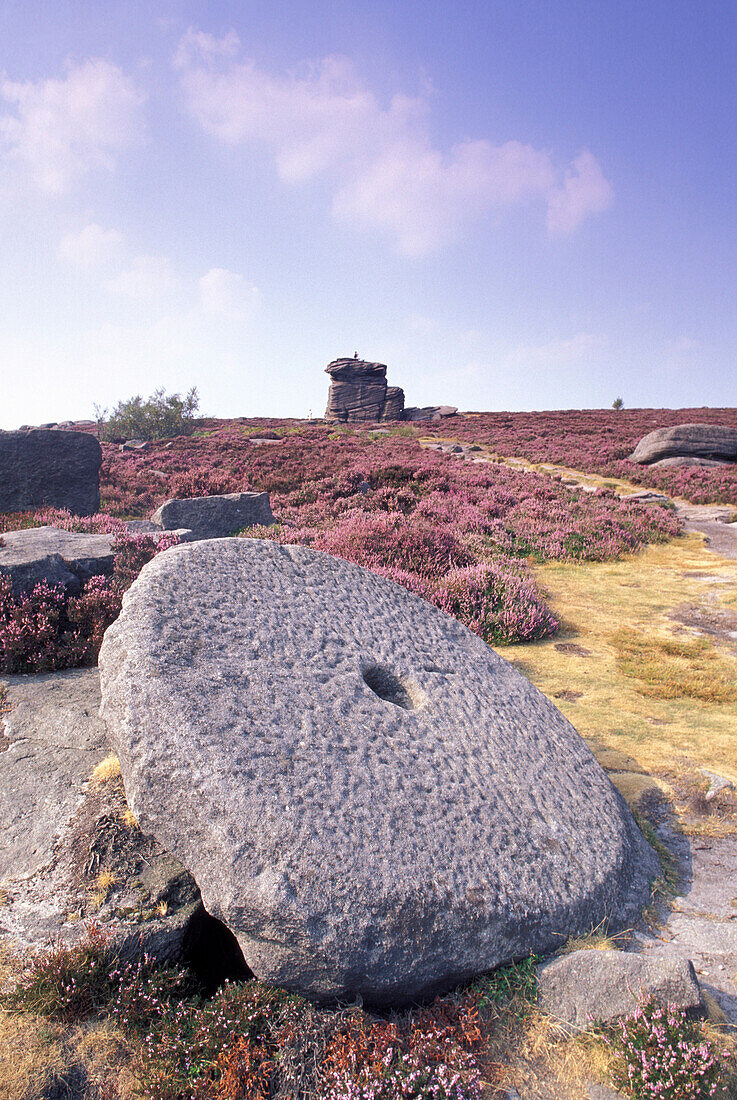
x: 163, y: 415
x: 617, y: 404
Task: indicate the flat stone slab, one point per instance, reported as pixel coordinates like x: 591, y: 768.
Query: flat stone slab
x: 53, y: 737
x: 215, y: 516
x: 589, y: 987
x: 369, y: 797
x: 53, y: 555
x: 58, y: 469
x: 58, y: 830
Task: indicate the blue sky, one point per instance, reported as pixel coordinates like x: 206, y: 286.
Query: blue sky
x: 515, y: 205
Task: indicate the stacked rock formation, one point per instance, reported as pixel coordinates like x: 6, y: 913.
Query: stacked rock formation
x: 45, y: 467
x: 687, y: 445
x: 368, y: 797
x: 359, y: 391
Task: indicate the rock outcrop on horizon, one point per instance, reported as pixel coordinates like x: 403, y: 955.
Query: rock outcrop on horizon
x: 688, y: 445
x: 359, y: 392
x: 49, y: 468
x: 371, y: 800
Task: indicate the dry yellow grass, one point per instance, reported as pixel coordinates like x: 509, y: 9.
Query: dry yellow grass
x: 598, y: 603
x: 107, y: 769
x: 33, y: 1057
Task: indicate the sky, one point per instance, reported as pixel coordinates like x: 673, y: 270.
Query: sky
x: 514, y: 204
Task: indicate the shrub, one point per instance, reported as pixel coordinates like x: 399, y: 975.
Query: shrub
x: 201, y: 481
x: 496, y: 602
x: 162, y: 416
x: 663, y: 1055
x: 431, y: 1059
x: 67, y: 982
x: 44, y: 630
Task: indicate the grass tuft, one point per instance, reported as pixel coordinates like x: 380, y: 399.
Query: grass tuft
x: 671, y: 668
x: 106, y: 770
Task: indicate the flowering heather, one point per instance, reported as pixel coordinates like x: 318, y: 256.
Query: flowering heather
x: 45, y: 630
x: 599, y: 441
x: 663, y: 1055
x: 98, y: 524
x: 453, y: 532
x: 431, y: 1058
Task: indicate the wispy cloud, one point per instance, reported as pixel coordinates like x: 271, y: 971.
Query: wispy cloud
x: 224, y: 293
x: 92, y: 247
x: 381, y: 164
x: 146, y: 279
x: 584, y: 191
x: 62, y: 129
x: 567, y: 349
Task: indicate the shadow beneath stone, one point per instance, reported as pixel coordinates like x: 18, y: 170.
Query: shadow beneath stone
x: 213, y: 953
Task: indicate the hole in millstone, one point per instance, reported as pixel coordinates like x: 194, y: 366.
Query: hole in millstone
x: 388, y: 687
x: 213, y: 953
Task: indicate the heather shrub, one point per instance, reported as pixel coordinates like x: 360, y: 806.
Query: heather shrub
x: 32, y: 633
x: 162, y: 416
x: 67, y: 982
x: 661, y: 1054
x: 132, y: 552
x: 201, y: 482
x: 381, y: 540
x: 496, y: 602
x: 430, y: 1059
x: 45, y: 630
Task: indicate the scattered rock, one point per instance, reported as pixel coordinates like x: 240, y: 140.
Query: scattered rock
x: 601, y: 986
x: 717, y: 783
x: 645, y: 496
x: 56, y: 556
x: 358, y: 392
x: 134, y: 445
x: 372, y: 800
x: 712, y: 442
x: 216, y: 516
x: 429, y: 412
x: 690, y: 460
x: 44, y: 467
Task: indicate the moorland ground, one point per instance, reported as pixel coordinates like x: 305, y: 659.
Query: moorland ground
x: 622, y: 620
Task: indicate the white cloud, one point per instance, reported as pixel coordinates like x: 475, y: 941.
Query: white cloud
x: 64, y: 128
x: 226, y: 294
x: 568, y: 349
x: 380, y: 162
x: 584, y: 191
x: 147, y: 278
x: 92, y: 247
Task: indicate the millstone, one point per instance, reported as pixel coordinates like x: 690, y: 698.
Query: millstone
x: 369, y: 797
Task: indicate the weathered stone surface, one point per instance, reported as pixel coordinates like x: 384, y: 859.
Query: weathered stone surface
x: 588, y: 986
x: 429, y: 412
x: 54, y: 737
x: 710, y: 441
x: 358, y: 392
x: 369, y: 797
x: 214, y: 517
x: 58, y: 831
x: 53, y: 555
x: 690, y: 460
x: 393, y: 403
x: 47, y: 467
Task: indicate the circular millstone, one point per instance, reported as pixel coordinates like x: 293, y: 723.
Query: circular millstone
x: 369, y: 797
